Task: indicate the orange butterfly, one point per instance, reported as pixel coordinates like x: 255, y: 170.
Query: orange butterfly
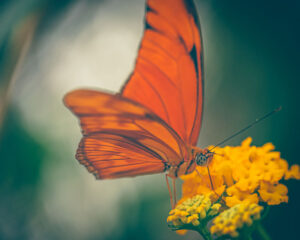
x: 153, y: 124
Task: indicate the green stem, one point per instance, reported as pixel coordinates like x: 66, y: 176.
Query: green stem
x: 265, y: 212
x: 262, y: 232
x: 245, y: 234
x: 249, y: 237
x: 205, y: 233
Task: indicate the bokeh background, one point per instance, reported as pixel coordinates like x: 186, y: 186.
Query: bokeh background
x: 47, y: 48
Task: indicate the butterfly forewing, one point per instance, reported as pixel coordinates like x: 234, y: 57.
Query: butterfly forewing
x: 168, y: 78
x: 122, y: 138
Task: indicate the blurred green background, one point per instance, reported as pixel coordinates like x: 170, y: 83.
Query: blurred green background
x: 251, y: 54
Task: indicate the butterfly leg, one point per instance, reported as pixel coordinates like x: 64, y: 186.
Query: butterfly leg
x: 212, y: 186
x: 174, y: 191
x: 170, y: 192
x: 210, y: 179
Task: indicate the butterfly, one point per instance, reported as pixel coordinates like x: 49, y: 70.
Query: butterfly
x: 153, y: 123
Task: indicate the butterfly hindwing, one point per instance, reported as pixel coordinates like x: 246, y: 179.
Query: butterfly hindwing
x: 110, y: 156
x: 122, y: 138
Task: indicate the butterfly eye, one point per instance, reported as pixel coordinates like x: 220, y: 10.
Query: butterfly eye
x: 201, y: 159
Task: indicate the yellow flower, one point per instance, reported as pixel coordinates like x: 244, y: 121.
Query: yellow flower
x: 273, y: 194
x: 242, y: 173
x: 294, y: 172
x: 232, y: 220
x: 236, y: 196
x: 192, y: 211
x: 194, y: 184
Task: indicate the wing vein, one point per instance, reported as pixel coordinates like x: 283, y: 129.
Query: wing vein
x: 156, y: 92
x: 160, y: 48
x: 163, y: 73
x: 157, y: 139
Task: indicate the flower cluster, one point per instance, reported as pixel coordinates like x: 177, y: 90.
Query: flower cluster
x: 193, y: 210
x: 238, y: 178
x: 243, y: 173
x: 233, y: 220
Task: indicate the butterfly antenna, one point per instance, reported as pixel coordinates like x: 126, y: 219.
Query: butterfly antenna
x: 249, y: 126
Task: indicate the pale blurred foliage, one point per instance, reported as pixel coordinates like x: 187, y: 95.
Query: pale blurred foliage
x: 92, y: 45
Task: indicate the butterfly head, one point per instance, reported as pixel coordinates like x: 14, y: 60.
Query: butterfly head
x: 202, y: 158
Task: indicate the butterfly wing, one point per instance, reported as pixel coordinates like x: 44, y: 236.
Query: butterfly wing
x: 168, y: 78
x: 122, y: 138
